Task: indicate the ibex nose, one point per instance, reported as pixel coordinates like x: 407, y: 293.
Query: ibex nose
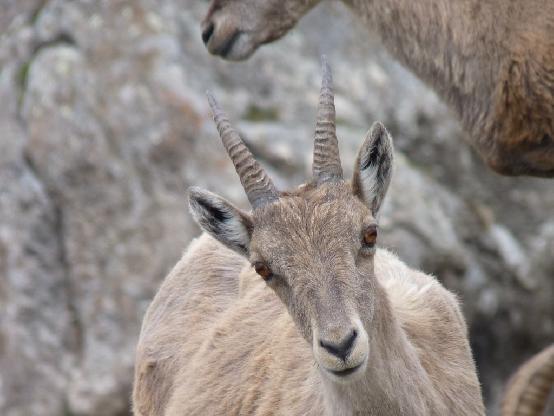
x: 207, y: 31
x: 343, y: 347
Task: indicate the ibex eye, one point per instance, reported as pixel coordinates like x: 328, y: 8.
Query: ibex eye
x: 369, y: 236
x: 263, y: 270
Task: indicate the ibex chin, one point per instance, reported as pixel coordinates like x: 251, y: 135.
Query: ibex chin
x: 291, y: 309
x: 492, y: 61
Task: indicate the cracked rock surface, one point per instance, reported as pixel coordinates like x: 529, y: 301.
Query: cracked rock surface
x: 104, y: 125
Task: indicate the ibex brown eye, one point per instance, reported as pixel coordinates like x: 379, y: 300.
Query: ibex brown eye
x: 263, y: 270
x: 370, y: 236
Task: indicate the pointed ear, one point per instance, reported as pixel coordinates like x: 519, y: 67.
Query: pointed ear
x: 222, y: 220
x: 373, y: 169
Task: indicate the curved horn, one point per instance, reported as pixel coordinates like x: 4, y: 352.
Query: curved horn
x: 326, y: 164
x: 529, y: 388
x: 257, y: 184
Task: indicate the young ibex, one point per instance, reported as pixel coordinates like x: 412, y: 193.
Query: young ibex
x: 492, y: 61
x: 292, y: 310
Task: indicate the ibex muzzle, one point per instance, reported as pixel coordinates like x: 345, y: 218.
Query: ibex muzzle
x: 234, y: 29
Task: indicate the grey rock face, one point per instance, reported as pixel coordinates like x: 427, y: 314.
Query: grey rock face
x: 103, y: 127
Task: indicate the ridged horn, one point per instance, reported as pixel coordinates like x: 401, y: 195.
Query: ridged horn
x: 326, y: 164
x: 256, y: 183
x: 528, y: 390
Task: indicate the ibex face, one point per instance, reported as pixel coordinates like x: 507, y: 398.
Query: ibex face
x: 321, y: 267
x: 234, y: 29
x: 314, y: 246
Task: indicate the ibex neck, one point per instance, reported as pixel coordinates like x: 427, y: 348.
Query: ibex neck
x: 447, y: 43
x: 394, y: 383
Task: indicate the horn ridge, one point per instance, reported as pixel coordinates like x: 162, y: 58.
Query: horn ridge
x: 256, y: 183
x: 326, y: 159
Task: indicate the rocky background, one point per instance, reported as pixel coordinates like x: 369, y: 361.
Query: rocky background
x: 103, y: 126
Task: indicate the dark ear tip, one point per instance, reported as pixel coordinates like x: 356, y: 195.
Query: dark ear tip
x: 195, y: 194
x: 194, y: 191
x: 379, y: 131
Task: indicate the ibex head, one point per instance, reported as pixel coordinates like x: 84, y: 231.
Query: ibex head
x: 313, y: 246
x: 233, y: 29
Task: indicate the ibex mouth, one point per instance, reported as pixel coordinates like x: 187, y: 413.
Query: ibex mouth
x: 346, y: 372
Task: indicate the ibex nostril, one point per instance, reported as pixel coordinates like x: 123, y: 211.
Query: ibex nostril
x: 343, y: 348
x: 207, y: 32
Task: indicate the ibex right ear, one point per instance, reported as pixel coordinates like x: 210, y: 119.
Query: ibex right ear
x: 221, y: 219
x: 373, y: 170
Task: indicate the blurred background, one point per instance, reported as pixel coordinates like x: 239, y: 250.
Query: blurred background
x: 103, y: 126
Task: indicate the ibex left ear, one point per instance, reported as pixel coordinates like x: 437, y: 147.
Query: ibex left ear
x: 373, y: 169
x: 221, y: 219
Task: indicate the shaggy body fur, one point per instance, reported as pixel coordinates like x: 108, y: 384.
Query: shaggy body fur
x: 217, y: 341
x: 492, y: 61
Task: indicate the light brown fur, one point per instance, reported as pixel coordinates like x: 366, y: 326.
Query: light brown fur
x: 492, y: 61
